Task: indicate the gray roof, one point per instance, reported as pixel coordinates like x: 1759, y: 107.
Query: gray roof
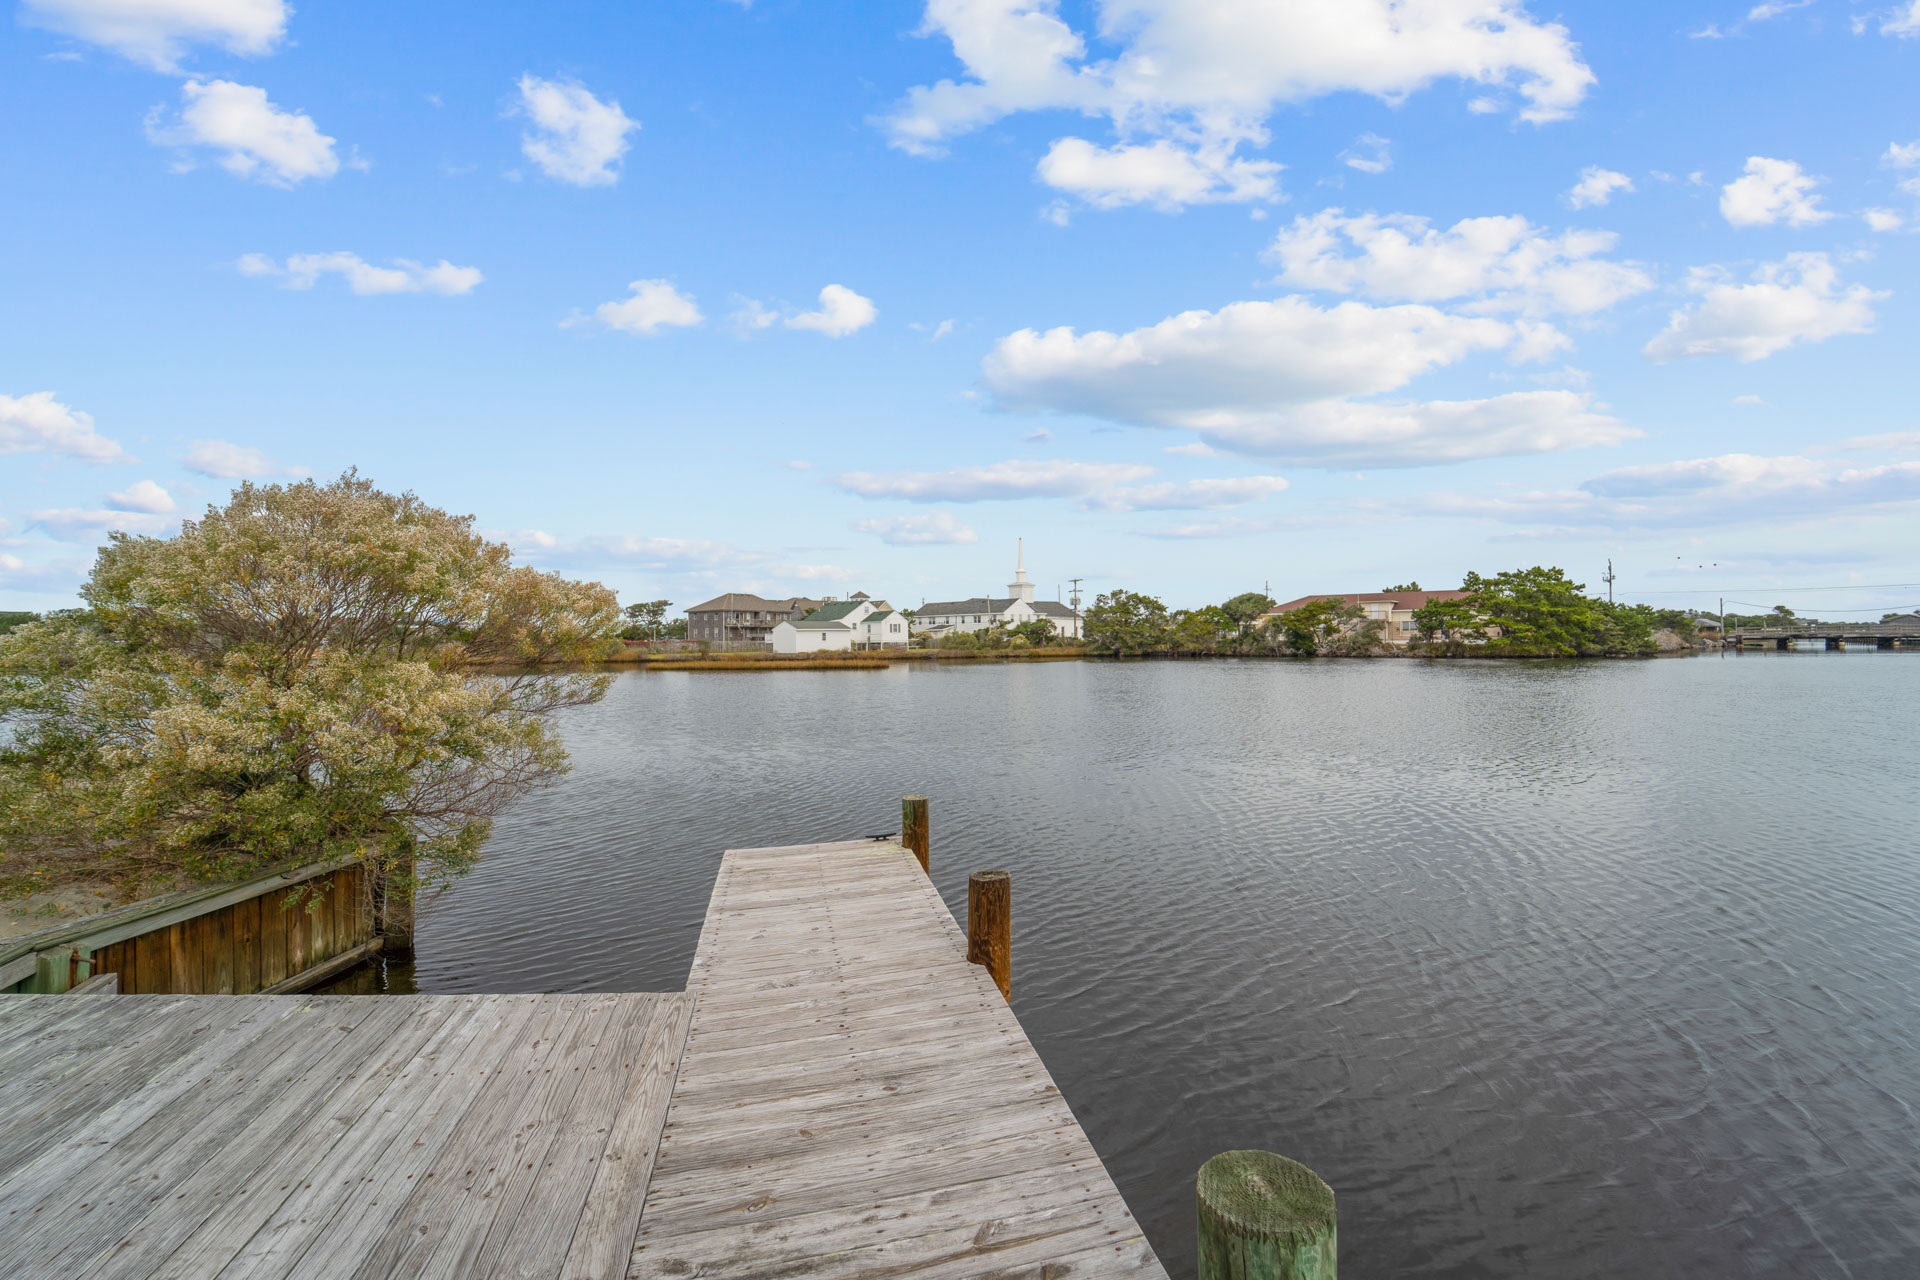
x: 984, y: 604
x: 979, y: 604
x: 841, y: 608
x: 736, y: 600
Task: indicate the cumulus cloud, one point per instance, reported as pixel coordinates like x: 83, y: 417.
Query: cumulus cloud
x: 1369, y: 154
x: 1904, y: 157
x: 935, y: 529
x: 1188, y: 495
x: 1494, y: 264
x: 1903, y: 21
x: 224, y: 461
x: 302, y: 270
x: 994, y: 481
x: 1349, y: 433
x: 1799, y: 299
x: 1202, y: 77
x: 76, y: 524
x: 629, y: 550
x: 157, y: 33
x: 254, y: 138
x: 653, y: 306
x: 145, y: 496
x: 1772, y: 191
x: 1698, y: 492
x: 842, y: 311
x: 37, y: 423
x: 1883, y: 219
x: 1279, y: 378
x: 1596, y: 187
x: 1160, y: 173
x: 575, y: 137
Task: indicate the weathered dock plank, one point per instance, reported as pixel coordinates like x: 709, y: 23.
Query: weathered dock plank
x: 837, y: 1093
x: 255, y: 1136
x: 856, y: 1099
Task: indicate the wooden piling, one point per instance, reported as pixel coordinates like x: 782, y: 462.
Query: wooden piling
x: 990, y: 926
x: 915, y: 831
x: 1264, y: 1217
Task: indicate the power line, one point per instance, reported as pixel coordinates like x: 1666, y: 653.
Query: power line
x: 1755, y: 604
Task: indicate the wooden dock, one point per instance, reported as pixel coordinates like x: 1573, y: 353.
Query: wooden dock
x: 837, y: 1093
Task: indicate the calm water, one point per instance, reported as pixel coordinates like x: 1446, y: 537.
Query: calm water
x: 1601, y: 969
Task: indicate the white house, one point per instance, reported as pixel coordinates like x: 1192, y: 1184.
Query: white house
x: 857, y: 623
x: 944, y: 617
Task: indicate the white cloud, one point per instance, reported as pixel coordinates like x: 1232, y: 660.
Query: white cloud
x: 1202, y: 77
x: 1894, y: 441
x: 255, y: 138
x: 1188, y: 495
x: 938, y: 528
x: 1596, y: 187
x: 1749, y: 400
x: 224, y: 461
x: 1799, y: 299
x: 1903, y: 21
x: 1198, y: 367
x: 1774, y: 8
x: 158, y: 32
x: 1883, y: 219
x: 74, y: 524
x: 1903, y: 156
x: 1160, y: 173
x: 145, y: 496
x: 1348, y: 433
x: 751, y: 316
x: 1369, y: 154
x: 1730, y: 489
x: 1277, y: 379
x: 576, y: 138
x: 842, y: 311
x: 655, y: 305
x: 37, y: 423
x: 1498, y: 263
x: 1772, y: 190
x: 302, y: 270
x: 660, y: 555
x: 994, y: 481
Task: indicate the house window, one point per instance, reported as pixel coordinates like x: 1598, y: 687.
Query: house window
x: 893, y: 626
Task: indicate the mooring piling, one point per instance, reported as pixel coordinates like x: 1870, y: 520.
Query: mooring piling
x: 990, y: 926
x: 916, y: 833
x: 1264, y: 1217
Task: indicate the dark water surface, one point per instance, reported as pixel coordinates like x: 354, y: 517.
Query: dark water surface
x: 1563, y: 970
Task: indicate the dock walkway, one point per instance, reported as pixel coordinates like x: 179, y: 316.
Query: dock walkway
x: 837, y: 1093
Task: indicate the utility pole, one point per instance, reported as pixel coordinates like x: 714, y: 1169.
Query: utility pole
x: 1075, y: 599
x: 1609, y: 581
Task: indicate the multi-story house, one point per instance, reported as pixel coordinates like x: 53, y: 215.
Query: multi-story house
x: 743, y: 616
x: 1392, y: 609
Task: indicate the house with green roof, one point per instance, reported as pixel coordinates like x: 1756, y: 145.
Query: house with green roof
x: 858, y: 622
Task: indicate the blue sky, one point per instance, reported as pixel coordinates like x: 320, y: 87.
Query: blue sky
x: 1193, y: 295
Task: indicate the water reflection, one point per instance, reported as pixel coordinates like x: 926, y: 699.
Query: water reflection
x: 1594, y: 969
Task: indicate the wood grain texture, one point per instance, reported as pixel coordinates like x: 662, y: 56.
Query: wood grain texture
x: 856, y: 1099
x: 330, y: 1136
x: 837, y: 1093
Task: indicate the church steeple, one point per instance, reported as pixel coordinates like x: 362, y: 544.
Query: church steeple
x: 1020, y: 588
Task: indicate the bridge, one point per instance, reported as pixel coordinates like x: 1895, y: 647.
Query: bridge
x: 1902, y: 634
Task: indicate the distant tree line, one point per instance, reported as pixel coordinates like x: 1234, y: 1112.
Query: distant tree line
x: 1535, y: 612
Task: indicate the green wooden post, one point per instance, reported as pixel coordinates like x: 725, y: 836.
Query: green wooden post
x: 1264, y: 1217
x: 916, y: 833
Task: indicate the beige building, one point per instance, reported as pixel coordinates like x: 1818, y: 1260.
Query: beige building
x: 1392, y: 609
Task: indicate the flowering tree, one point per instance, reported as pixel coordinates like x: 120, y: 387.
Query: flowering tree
x: 311, y: 671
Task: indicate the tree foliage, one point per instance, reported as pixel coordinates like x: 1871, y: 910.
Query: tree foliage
x: 645, y: 620
x: 1126, y: 622
x: 311, y: 671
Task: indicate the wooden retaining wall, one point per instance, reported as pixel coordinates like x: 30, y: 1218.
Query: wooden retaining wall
x: 280, y: 932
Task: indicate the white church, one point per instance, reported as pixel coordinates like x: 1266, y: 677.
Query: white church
x: 944, y: 617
